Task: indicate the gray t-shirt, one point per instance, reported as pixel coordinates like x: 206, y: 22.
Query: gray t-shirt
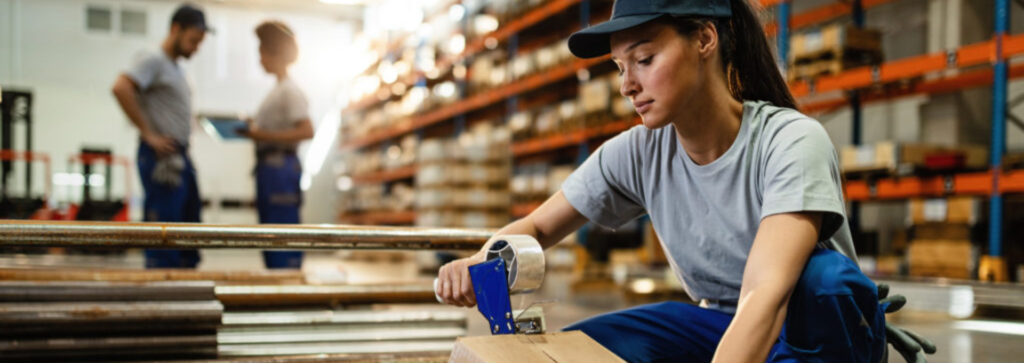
x: 707, y: 215
x: 164, y: 94
x: 284, y: 106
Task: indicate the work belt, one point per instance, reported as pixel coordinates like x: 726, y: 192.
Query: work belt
x: 262, y: 154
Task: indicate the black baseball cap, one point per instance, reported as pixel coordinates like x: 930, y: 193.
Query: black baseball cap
x: 594, y: 41
x: 189, y: 16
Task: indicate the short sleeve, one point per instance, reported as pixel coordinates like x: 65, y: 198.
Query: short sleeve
x: 801, y: 174
x: 144, y: 71
x: 606, y: 188
x: 296, y: 107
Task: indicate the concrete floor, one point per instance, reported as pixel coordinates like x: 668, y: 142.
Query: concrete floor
x: 959, y: 341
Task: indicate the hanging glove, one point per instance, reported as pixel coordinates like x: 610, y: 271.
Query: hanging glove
x: 168, y: 170
x: 911, y: 346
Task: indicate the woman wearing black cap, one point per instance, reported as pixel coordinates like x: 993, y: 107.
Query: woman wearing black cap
x: 744, y: 191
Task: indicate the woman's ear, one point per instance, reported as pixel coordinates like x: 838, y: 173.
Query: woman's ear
x: 707, y: 40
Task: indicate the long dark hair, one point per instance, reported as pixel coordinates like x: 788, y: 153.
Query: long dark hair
x: 752, y: 74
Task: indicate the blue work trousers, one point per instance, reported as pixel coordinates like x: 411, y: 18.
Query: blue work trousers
x: 833, y: 316
x: 278, y: 200
x: 164, y: 203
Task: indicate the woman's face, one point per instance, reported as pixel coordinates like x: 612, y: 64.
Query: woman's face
x: 270, y: 61
x: 660, y: 69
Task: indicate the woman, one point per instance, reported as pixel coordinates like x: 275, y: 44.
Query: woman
x: 743, y: 190
x: 280, y: 124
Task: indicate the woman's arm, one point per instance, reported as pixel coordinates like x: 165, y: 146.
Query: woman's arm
x: 302, y: 131
x: 549, y: 224
x: 781, y: 248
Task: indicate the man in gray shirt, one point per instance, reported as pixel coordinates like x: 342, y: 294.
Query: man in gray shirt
x: 156, y: 97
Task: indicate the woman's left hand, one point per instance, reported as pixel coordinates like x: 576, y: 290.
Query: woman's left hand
x: 250, y: 132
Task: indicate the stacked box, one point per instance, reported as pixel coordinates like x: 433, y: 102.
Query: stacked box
x: 904, y: 158
x: 941, y: 244
x: 464, y: 181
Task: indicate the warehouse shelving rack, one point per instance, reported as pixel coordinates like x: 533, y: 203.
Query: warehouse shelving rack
x: 855, y: 87
x: 995, y: 53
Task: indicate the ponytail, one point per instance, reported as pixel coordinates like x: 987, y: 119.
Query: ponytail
x: 747, y: 58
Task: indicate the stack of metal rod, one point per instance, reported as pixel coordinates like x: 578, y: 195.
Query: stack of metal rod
x: 76, y: 321
x: 290, y: 333
x: 159, y: 316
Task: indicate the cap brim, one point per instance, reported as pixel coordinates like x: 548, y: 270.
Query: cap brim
x: 595, y: 41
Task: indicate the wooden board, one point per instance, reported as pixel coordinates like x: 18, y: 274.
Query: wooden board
x: 564, y: 347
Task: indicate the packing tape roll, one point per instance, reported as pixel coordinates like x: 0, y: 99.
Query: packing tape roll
x: 524, y: 261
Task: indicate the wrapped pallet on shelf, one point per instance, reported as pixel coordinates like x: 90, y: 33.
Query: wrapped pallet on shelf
x: 833, y: 49
x: 595, y: 100
x: 902, y: 159
x: 941, y: 244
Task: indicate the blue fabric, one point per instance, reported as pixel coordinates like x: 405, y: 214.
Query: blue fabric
x: 163, y: 203
x: 278, y: 199
x: 833, y: 316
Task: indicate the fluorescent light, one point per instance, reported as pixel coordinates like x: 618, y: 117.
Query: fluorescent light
x: 998, y: 327
x: 343, y: 2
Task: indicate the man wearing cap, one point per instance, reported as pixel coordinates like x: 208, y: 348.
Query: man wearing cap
x: 157, y: 99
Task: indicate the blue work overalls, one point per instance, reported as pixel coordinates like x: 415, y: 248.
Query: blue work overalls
x: 833, y: 316
x: 278, y: 199
x: 164, y: 203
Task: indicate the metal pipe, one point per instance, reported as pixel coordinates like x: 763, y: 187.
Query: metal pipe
x: 267, y: 277
x: 111, y: 343
x: 249, y: 350
x: 93, y: 355
x: 415, y: 357
x: 311, y: 295
x: 39, y: 291
x: 98, y: 329
x: 110, y: 312
x: 182, y: 235
x: 338, y: 334
x: 327, y: 317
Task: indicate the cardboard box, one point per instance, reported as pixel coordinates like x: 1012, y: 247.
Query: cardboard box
x: 940, y: 258
x: 836, y: 40
x: 962, y: 210
x: 890, y: 155
x: 935, y: 231
x: 563, y: 347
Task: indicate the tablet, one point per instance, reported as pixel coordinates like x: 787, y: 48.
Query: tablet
x: 224, y: 127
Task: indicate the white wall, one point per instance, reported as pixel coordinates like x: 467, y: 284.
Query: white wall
x: 44, y: 47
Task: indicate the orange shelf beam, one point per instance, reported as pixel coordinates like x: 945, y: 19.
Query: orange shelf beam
x: 558, y: 141
x: 476, y: 102
x: 384, y: 176
x: 938, y: 186
x: 478, y: 45
x: 379, y: 218
x: 964, y: 80
x: 515, y: 26
x: 910, y: 68
x: 821, y: 15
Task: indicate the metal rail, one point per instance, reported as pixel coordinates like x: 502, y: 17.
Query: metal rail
x: 306, y: 295
x: 182, y: 235
x: 74, y: 291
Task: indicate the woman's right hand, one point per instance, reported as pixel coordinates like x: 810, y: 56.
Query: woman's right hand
x: 454, y: 285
